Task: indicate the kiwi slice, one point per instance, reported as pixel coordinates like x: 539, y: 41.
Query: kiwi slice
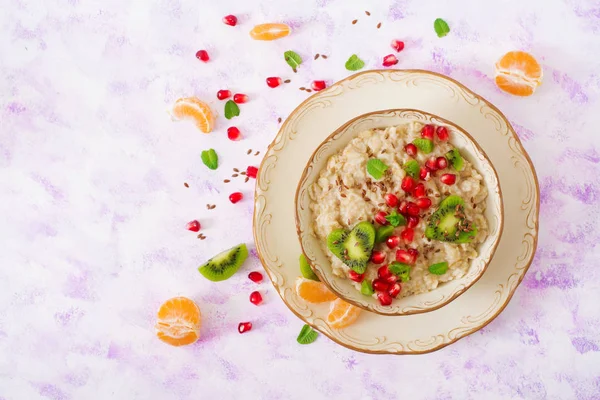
x: 306, y: 270
x: 353, y: 247
x: 455, y: 159
x: 383, y: 232
x: 425, y: 145
x: 448, y: 222
x: 412, y: 168
x: 225, y: 264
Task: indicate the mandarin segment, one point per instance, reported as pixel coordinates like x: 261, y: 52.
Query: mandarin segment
x: 313, y: 291
x: 270, y: 31
x: 195, y: 109
x: 342, y: 314
x: 178, y: 322
x: 518, y: 73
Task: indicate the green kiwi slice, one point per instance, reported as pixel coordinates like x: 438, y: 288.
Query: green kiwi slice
x: 448, y: 222
x: 306, y: 270
x: 225, y: 264
x: 455, y: 159
x: 412, y: 168
x: 383, y: 232
x: 425, y: 145
x: 353, y: 247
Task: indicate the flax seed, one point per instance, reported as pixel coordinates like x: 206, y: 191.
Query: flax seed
x: 234, y: 175
x: 236, y: 170
x: 379, y: 25
x: 246, y: 180
x: 309, y: 90
x: 279, y: 120
x: 368, y: 13
x: 186, y: 185
x: 287, y: 81
x: 249, y: 151
x: 317, y: 56
x: 257, y: 153
x: 354, y: 22
x: 226, y: 181
x: 324, y: 56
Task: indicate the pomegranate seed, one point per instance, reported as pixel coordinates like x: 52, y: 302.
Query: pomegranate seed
x: 412, y: 221
x: 244, y: 327
x: 391, y: 279
x: 419, y: 190
x: 414, y: 254
x: 394, y: 291
x: 223, y: 94
x: 423, y: 202
x: 383, y: 272
x: 318, y: 85
x: 251, y: 172
x: 403, y: 207
x: 404, y: 256
x: 233, y: 133
x: 441, y: 162
x: 391, y: 200
x: 380, y: 218
x: 230, y: 20
x: 235, y: 197
x: 411, y: 149
x: 240, y: 98
x: 424, y: 173
x: 397, y: 45
x: 427, y: 132
x: 408, y: 184
x: 407, y: 235
x: 390, y: 60
x: 442, y: 133
x: 356, y: 277
x: 448, y: 179
x: 380, y: 285
x: 255, y: 276
x: 413, y: 209
x: 392, y: 242
x: 378, y: 257
x: 193, y: 226
x: 384, y: 298
x: 255, y: 298
x: 202, y: 55
x: 431, y: 164
x: 273, y: 81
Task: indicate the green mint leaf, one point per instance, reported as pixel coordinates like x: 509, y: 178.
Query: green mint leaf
x: 354, y: 63
x: 401, y: 270
x: 439, y: 268
x: 425, y: 145
x: 441, y: 27
x: 307, y: 335
x: 292, y: 58
x: 376, y: 168
x: 383, y: 232
x: 366, y: 288
x: 412, y: 168
x: 305, y: 269
x: 210, y: 159
x: 231, y: 109
x: 395, y: 219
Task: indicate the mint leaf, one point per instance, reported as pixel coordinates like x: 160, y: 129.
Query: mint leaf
x: 307, y: 335
x: 366, y: 288
x: 305, y: 269
x: 383, y: 232
x: 412, y: 168
x: 425, y: 145
x: 401, y: 270
x: 292, y: 58
x: 376, y: 168
x: 354, y: 63
x: 439, y: 268
x: 210, y: 159
x: 395, y: 219
x: 231, y: 109
x: 441, y: 27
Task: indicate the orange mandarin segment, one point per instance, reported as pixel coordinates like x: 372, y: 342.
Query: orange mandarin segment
x: 313, y: 291
x: 178, y: 322
x: 518, y: 73
x: 194, y: 108
x: 342, y: 314
x: 270, y: 31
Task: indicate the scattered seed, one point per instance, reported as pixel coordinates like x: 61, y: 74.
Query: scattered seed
x: 379, y: 25
x: 257, y: 153
x: 368, y: 13
x: 474, y: 206
x: 317, y: 56
x: 302, y: 88
x: 279, y: 120
x: 208, y: 206
x: 380, y: 204
x: 308, y: 90
x: 246, y: 180
x: 236, y: 170
x: 343, y: 195
x: 186, y: 185
x: 287, y: 81
x: 249, y: 151
x: 199, y: 235
x: 446, y: 193
x: 226, y: 181
x: 234, y: 175
x: 324, y: 56
x: 354, y: 22
x: 295, y: 70
x: 213, y: 207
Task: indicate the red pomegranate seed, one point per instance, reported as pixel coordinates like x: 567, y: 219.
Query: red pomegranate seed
x: 407, y: 184
x: 233, y: 133
x: 391, y: 200
x: 378, y: 257
x: 431, y: 164
x: 390, y: 60
x: 427, y: 132
x: 407, y: 235
x: 193, y: 226
x: 404, y: 256
x: 391, y: 279
x: 441, y: 162
x: 202, y: 55
x: 383, y: 272
x: 412, y: 221
x: 223, y: 94
x: 448, y: 179
x: 240, y: 98
x: 230, y: 20
x: 380, y: 218
x: 356, y: 277
x: 255, y: 276
x: 394, y: 290
x: 392, y: 242
x: 423, y: 203
x: 442, y: 133
x: 411, y: 149
x: 419, y: 190
x: 318, y: 85
x: 255, y: 298
x: 384, y: 298
x: 424, y: 173
x: 273, y: 81
x: 244, y: 327
x: 379, y: 285
x: 413, y: 209
x: 403, y: 207
x: 251, y: 172
x: 397, y: 45
x: 414, y: 254
x: 235, y: 197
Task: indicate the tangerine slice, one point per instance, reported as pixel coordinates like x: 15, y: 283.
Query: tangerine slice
x: 194, y: 108
x: 342, y: 314
x: 313, y: 291
x: 270, y: 31
x: 178, y: 321
x: 518, y: 73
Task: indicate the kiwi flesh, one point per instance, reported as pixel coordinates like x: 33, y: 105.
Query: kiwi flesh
x: 306, y: 270
x: 225, y: 264
x: 449, y: 224
x: 455, y: 159
x: 353, y: 247
x: 383, y: 232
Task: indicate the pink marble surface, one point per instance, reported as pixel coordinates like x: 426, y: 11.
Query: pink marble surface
x: 93, y: 204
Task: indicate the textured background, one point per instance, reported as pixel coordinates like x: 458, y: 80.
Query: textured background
x: 93, y: 206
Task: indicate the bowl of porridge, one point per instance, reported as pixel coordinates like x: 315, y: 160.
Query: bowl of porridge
x: 404, y: 212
